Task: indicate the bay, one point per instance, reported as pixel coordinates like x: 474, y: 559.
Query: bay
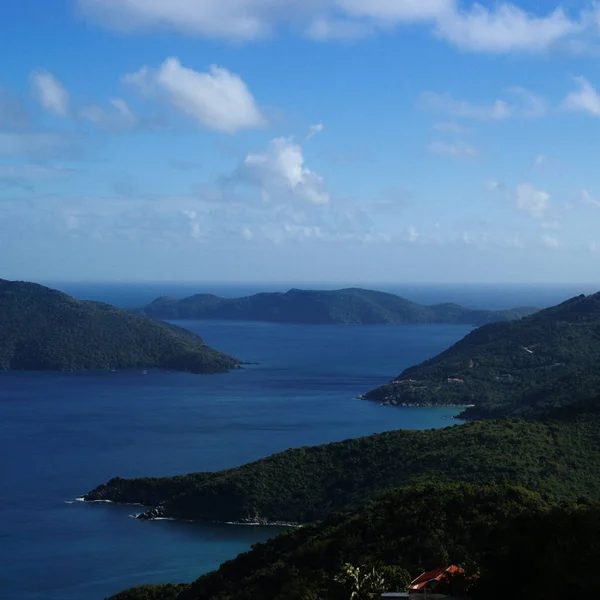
x: 63, y: 433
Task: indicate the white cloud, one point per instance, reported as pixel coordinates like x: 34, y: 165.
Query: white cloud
x: 217, y: 100
x: 594, y: 247
x: 588, y: 199
x: 505, y: 28
x: 531, y: 200
x: 529, y: 104
x: 456, y: 150
x: 411, y: 234
x: 280, y: 172
x: 585, y: 99
x: 119, y: 118
x: 50, y: 93
x: 445, y: 103
x: 526, y: 105
x: 549, y: 241
x: 314, y: 130
x: 233, y: 19
x: 324, y: 29
x: 397, y: 11
x: 247, y: 234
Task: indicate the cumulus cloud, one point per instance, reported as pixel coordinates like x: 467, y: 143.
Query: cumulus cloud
x: 455, y: 150
x: 50, y: 93
x: 279, y: 172
x: 531, y: 200
x: 469, y: 25
x: 217, y: 100
x: 586, y: 99
x: 505, y: 28
x: 525, y: 104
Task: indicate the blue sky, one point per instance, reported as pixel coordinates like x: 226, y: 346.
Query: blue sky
x: 305, y: 140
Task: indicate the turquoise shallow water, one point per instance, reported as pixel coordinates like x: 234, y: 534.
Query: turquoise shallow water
x: 63, y: 433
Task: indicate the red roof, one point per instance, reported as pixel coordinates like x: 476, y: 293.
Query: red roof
x: 436, y: 575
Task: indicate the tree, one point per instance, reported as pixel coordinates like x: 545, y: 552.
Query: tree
x: 370, y: 582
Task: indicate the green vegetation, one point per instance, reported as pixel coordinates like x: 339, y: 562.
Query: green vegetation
x: 522, y: 545
x: 152, y: 592
x: 547, y: 360
x: 561, y: 457
x: 44, y: 329
x: 324, y: 307
x: 514, y: 501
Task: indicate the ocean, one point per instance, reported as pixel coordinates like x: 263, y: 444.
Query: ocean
x: 61, y: 434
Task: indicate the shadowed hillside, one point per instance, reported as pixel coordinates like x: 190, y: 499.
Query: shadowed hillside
x: 44, y: 329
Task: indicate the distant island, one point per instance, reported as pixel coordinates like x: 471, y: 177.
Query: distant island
x: 318, y: 307
x: 43, y: 329
x: 546, y: 360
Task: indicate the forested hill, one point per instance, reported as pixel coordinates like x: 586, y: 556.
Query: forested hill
x: 523, y: 546
x: 558, y: 455
x: 346, y: 306
x: 44, y: 329
x: 549, y: 359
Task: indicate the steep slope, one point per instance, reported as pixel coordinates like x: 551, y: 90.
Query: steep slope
x: 545, y: 360
x: 512, y: 536
x: 346, y: 306
x: 44, y: 329
x: 559, y: 457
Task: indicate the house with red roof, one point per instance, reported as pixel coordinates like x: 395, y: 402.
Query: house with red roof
x: 430, y: 585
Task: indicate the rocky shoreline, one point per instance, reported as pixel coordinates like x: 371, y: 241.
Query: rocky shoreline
x: 158, y: 513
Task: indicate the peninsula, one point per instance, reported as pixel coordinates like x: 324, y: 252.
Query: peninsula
x: 318, y: 307
x: 43, y: 329
x: 526, y: 367
x: 557, y: 454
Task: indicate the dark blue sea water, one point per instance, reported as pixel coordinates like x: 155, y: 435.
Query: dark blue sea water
x: 63, y: 433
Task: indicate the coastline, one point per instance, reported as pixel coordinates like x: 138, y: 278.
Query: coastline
x: 141, y: 517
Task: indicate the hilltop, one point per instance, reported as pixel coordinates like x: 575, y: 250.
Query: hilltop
x: 559, y: 455
x: 44, y: 329
x: 543, y: 361
x: 347, y: 306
